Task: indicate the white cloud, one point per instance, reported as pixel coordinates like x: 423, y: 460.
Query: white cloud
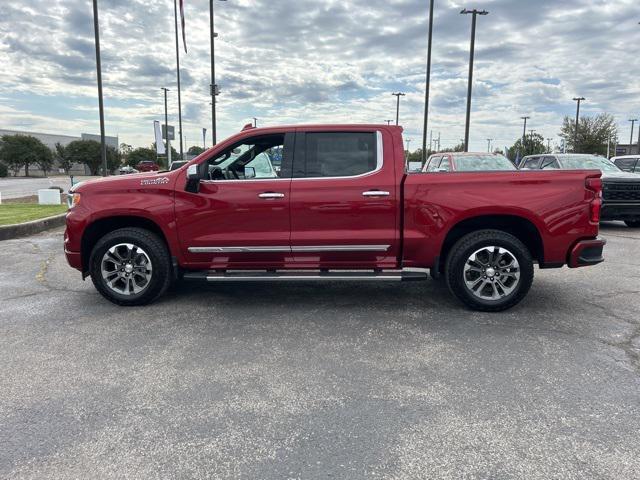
x: 305, y: 61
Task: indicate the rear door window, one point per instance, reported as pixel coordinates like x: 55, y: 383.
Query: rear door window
x: 434, y: 164
x: 445, y: 164
x: 339, y: 154
x: 549, y: 163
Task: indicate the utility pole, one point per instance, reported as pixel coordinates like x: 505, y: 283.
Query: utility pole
x: 430, y: 141
x: 214, y: 87
x: 427, y: 86
x: 474, y: 14
x: 175, y: 18
x: 633, y: 121
x: 398, y: 95
x: 489, y: 145
x: 524, y: 129
x: 103, y: 143
x: 439, y: 141
x: 575, y: 134
x: 408, y: 141
x: 166, y: 123
x: 549, y: 145
x: 255, y: 122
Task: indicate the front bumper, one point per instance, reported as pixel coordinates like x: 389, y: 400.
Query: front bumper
x: 586, y: 253
x: 620, y: 211
x: 74, y: 259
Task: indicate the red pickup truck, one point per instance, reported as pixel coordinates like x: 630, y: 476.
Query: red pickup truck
x: 340, y: 206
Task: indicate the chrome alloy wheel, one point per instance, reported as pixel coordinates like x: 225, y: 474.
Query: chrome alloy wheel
x: 126, y: 269
x: 491, y: 273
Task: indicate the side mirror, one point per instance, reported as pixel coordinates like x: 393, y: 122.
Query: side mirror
x: 193, y: 179
x: 249, y: 172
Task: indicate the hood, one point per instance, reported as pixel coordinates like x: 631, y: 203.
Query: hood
x: 620, y: 177
x: 115, y: 180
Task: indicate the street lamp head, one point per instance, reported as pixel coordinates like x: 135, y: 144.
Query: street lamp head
x: 578, y: 98
x: 633, y: 119
x: 474, y: 11
x: 399, y: 94
x: 525, y: 118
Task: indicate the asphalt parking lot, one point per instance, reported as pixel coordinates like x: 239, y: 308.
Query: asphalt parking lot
x: 337, y: 380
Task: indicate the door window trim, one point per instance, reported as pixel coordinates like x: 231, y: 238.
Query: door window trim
x: 379, y: 155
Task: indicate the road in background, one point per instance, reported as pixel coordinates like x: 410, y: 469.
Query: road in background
x: 338, y: 380
x: 15, y: 187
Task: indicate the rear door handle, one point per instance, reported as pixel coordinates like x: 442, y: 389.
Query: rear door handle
x: 271, y: 195
x: 375, y: 193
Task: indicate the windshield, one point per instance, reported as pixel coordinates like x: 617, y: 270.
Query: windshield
x: 474, y: 163
x: 588, y: 162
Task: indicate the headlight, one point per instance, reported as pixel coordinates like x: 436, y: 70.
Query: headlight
x: 73, y: 199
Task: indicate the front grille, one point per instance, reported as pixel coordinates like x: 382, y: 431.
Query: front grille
x: 621, y: 192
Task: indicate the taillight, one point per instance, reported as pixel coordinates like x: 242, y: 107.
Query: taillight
x: 594, y: 184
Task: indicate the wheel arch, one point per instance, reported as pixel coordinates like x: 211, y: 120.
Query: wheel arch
x: 521, y: 228
x: 100, y: 227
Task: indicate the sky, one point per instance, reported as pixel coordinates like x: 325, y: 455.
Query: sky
x: 312, y: 61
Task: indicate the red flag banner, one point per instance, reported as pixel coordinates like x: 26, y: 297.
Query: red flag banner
x: 184, y: 38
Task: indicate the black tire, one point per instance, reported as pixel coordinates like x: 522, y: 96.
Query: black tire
x: 473, y: 243
x: 156, y: 252
x: 632, y: 223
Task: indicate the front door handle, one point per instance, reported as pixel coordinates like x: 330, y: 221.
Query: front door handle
x: 375, y: 193
x: 271, y: 195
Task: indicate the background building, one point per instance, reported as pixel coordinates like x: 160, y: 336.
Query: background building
x: 50, y: 140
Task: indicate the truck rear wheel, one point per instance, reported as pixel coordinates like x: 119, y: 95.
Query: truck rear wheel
x: 489, y: 270
x: 130, y: 266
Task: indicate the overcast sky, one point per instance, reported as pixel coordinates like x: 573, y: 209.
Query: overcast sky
x: 302, y: 61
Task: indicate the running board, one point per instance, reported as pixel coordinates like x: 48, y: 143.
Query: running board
x: 314, y: 276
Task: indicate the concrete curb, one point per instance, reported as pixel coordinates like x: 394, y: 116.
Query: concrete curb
x: 29, y: 228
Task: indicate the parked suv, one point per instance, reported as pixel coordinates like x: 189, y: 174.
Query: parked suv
x: 620, y: 190
x: 147, y: 166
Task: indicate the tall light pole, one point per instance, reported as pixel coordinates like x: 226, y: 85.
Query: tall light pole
x: 489, y: 140
x: 474, y: 13
x: 255, y: 121
x: 388, y: 122
x: 427, y: 86
x: 214, y: 87
x: 398, y: 95
x: 175, y: 18
x: 575, y: 134
x: 103, y: 143
x: 633, y: 121
x: 549, y: 145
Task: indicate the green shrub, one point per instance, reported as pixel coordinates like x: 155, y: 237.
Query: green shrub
x: 4, y: 171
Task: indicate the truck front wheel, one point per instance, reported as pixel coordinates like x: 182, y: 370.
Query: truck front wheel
x: 489, y: 270
x: 130, y: 266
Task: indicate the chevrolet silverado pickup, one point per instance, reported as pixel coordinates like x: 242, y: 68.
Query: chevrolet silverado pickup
x: 341, y: 206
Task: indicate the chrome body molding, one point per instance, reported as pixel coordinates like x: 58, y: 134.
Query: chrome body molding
x: 294, y: 249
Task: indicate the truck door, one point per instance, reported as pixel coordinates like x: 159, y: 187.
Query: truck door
x: 240, y: 216
x: 344, y: 200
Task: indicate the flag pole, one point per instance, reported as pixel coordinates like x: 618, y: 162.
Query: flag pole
x: 175, y: 18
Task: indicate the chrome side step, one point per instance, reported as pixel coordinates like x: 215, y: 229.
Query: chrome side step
x: 314, y: 276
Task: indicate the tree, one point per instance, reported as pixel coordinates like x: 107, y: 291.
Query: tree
x: 533, y: 145
x: 593, y: 133
x: 62, y: 158
x: 45, y: 160
x: 140, y: 154
x: 89, y: 153
x: 195, y: 150
x: 19, y: 151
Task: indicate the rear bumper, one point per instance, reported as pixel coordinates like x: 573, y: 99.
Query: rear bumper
x: 620, y: 211
x: 586, y: 253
